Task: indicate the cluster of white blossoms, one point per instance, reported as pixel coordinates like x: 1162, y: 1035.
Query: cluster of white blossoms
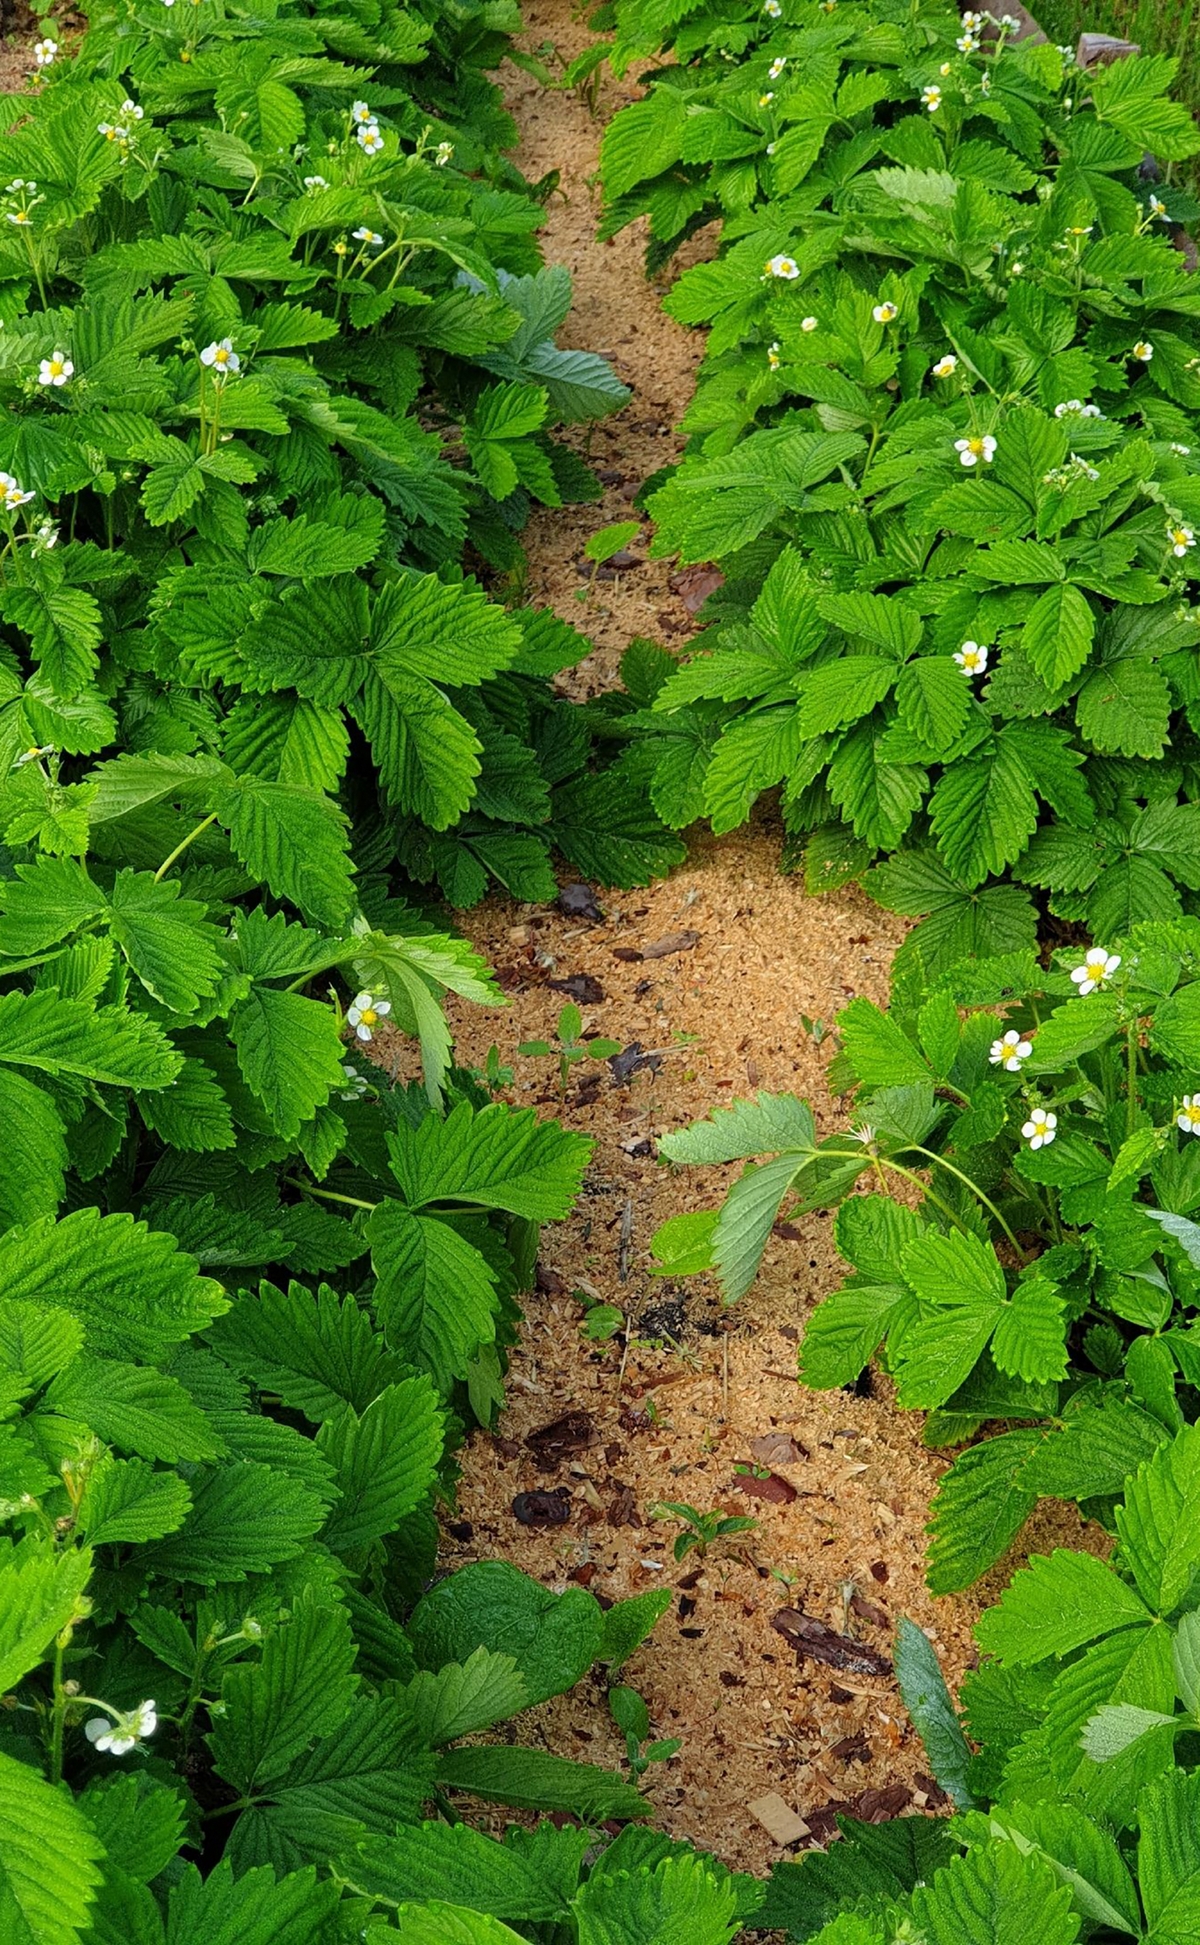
x: 364, y: 1016
x: 220, y: 358
x: 366, y: 128
x: 781, y: 266
x: 12, y: 494
x: 979, y: 446
x: 26, y: 191
x: 1009, y: 1051
x: 313, y: 183
x: 1182, y: 539
x: 1040, y: 1128
x: 1099, y: 965
x: 55, y: 370
x: 972, y: 659
x: 1076, y: 407
x: 125, y: 1731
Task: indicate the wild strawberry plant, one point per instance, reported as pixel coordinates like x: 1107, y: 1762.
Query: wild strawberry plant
x: 1047, y: 1275
x: 943, y: 449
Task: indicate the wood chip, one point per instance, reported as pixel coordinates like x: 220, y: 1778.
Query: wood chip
x: 780, y: 1822
x: 778, y: 1449
x: 774, y: 1489
x: 573, y: 1432
x: 814, y: 1641
x: 674, y: 942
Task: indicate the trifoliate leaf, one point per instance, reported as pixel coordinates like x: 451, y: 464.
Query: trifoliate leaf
x: 494, y: 1158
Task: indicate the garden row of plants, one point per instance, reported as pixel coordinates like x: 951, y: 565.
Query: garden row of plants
x: 276, y: 349
x: 944, y: 451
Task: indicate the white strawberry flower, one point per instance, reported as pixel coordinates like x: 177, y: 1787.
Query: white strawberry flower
x: 443, y: 154
x: 782, y: 266
x: 131, y: 109
x: 45, y: 538
x: 1156, y: 207
x: 44, y: 53
x: 1182, y: 540
x: 931, y: 97
x: 776, y: 68
x: 1143, y: 351
x: 764, y: 101
x: 1183, y: 451
x: 945, y: 366
x: 360, y: 113
x: 356, y: 1083
x: 20, y: 217
x: 55, y: 370
x: 366, y: 1013
x: 370, y: 141
x: 979, y: 446
x: 124, y: 1732
x: 985, y: 83
x: 1188, y: 1117
x: 967, y: 44
x: 315, y: 182
x: 772, y: 9
x: 112, y: 131
x: 364, y: 235
x: 886, y: 312
x: 221, y: 357
x: 1099, y: 964
x: 972, y: 658
x: 1090, y: 412
x: 1068, y: 405
x: 971, y: 21
x: 32, y: 754
x: 12, y: 494
x: 773, y: 358
x: 1040, y: 1128
x: 1009, y: 1051
x: 808, y: 323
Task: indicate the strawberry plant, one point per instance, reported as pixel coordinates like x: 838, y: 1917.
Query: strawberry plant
x: 1048, y: 1275
x: 942, y: 447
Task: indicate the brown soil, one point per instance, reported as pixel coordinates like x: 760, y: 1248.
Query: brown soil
x: 679, y: 1398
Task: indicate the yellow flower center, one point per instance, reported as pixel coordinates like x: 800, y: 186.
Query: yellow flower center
x: 56, y: 365
x: 369, y: 1016
x: 975, y: 445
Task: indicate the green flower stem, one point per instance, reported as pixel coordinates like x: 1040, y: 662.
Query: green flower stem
x: 976, y: 1191
x: 182, y: 846
x: 328, y: 1195
x: 59, y: 1712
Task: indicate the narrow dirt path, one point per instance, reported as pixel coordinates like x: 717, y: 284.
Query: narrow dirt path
x: 698, y: 1388
x: 676, y: 1414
